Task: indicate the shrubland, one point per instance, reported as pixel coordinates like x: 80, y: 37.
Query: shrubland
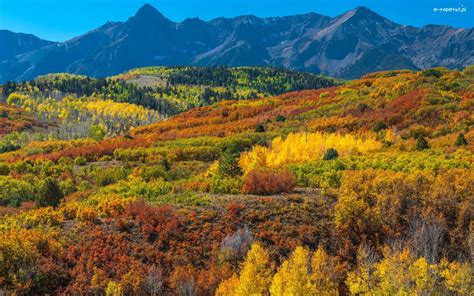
x: 66, y: 106
x: 315, y: 192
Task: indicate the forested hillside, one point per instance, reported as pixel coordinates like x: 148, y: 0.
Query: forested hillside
x: 171, y: 90
x: 364, y: 188
x: 74, y: 106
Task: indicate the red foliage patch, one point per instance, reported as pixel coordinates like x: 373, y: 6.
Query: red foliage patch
x: 265, y: 182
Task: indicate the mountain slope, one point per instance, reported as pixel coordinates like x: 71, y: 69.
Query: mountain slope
x: 74, y: 106
x: 343, y: 46
x: 175, y: 206
x: 172, y: 90
x: 17, y: 43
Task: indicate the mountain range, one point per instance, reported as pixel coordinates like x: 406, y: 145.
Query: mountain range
x: 348, y: 46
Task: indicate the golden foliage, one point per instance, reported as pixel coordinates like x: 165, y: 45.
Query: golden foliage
x: 301, y: 147
x: 400, y: 274
x: 293, y: 277
x: 324, y: 273
x: 114, y: 289
x: 254, y: 278
x: 458, y: 277
x: 228, y: 287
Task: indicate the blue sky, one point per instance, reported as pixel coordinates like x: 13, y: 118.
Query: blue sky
x: 59, y: 20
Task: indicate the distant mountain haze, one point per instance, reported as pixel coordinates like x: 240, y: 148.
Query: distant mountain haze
x: 348, y: 46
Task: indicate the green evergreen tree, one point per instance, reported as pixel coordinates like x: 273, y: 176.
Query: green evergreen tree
x: 280, y: 118
x: 229, y: 164
x: 378, y: 126
x: 4, y: 169
x: 421, y: 143
x: 461, y: 140
x: 49, y: 194
x: 260, y: 128
x: 331, y: 153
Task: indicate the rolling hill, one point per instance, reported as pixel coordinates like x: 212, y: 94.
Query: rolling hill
x: 77, y: 106
x: 364, y: 188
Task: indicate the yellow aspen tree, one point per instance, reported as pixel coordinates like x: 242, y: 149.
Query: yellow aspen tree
x: 457, y: 277
x: 114, y: 289
x: 255, y: 275
x: 393, y: 274
x: 362, y: 280
x: 293, y: 278
x: 323, y: 273
x: 424, y: 275
x: 228, y: 287
x: 391, y: 136
x: 98, y: 279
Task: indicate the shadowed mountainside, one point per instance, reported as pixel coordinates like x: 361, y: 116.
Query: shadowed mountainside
x: 349, y: 45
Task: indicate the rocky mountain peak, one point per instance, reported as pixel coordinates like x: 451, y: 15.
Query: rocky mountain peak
x: 149, y: 13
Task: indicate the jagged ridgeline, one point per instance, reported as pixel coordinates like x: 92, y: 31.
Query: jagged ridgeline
x: 349, y: 45
x: 171, y: 90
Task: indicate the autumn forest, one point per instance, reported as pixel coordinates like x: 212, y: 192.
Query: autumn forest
x: 237, y: 181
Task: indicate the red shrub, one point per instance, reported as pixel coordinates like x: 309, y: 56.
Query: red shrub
x: 160, y: 225
x: 234, y: 208
x: 267, y: 182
